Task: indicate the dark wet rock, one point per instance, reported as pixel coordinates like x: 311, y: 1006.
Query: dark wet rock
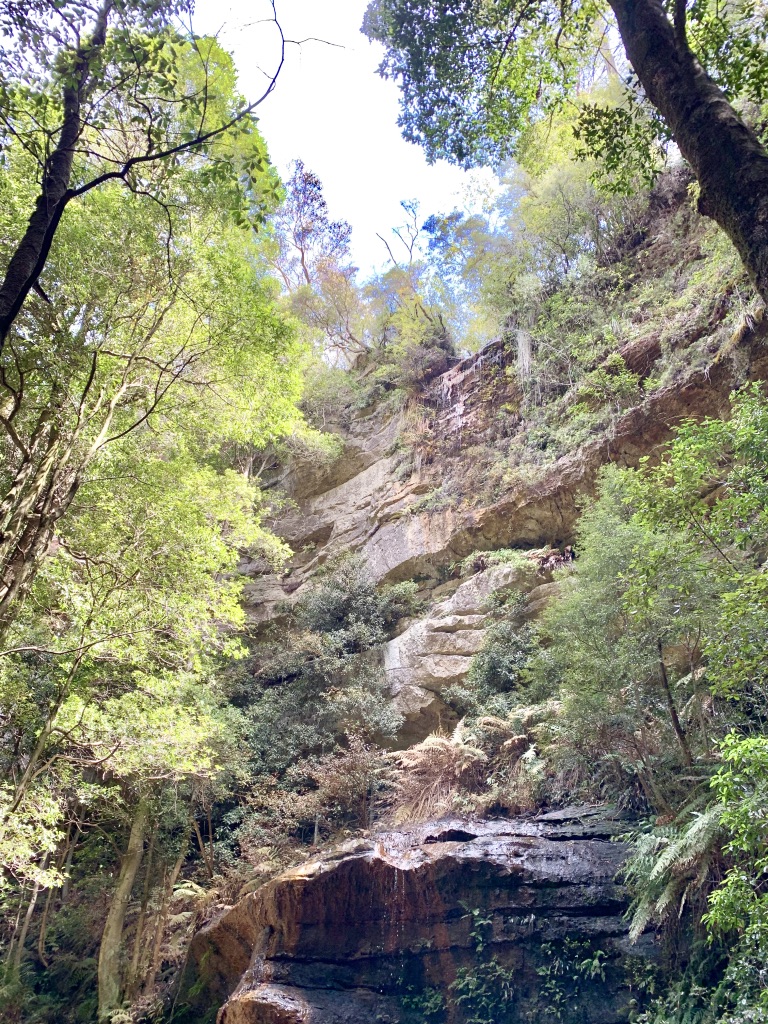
x: 341, y: 938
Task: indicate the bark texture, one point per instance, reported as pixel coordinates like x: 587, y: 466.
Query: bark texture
x: 726, y: 156
x: 27, y: 262
x: 43, y: 490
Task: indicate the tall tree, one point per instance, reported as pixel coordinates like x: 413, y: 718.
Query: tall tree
x: 307, y: 238
x: 311, y: 257
x: 474, y: 73
x: 140, y: 316
x: 99, y: 92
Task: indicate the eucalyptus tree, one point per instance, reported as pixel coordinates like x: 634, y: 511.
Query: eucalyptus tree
x: 311, y: 256
x: 307, y: 238
x: 473, y: 74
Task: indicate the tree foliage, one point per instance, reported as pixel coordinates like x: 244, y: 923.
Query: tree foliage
x: 144, y: 353
x: 117, y: 93
x: 473, y: 75
x: 684, y: 558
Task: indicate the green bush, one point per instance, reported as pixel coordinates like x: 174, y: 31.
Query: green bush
x: 498, y: 675
x: 317, y: 678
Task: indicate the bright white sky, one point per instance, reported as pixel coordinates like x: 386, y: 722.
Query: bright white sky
x: 332, y: 110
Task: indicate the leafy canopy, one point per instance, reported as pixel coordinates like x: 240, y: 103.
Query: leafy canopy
x: 474, y: 74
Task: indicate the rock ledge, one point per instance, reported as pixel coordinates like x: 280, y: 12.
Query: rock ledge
x: 340, y: 938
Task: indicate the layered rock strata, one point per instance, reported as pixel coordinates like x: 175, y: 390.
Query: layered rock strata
x: 435, y: 652
x: 359, y: 504
x: 359, y: 934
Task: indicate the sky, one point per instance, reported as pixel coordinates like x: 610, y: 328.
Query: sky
x: 330, y: 109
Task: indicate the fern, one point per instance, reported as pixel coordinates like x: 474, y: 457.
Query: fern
x: 433, y: 771
x: 671, y: 863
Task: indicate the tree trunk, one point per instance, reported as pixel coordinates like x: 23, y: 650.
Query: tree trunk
x: 161, y: 922
x: 675, y: 718
x: 27, y: 262
x: 46, y: 496
x: 202, y: 847
x: 43, y: 930
x: 138, y: 939
x: 68, y: 865
x: 21, y: 568
x: 110, y: 980
x: 28, y: 776
x: 31, y: 770
x: 19, y: 954
x: 9, y: 954
x: 61, y: 857
x: 726, y: 156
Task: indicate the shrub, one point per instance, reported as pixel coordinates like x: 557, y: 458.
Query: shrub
x: 345, y: 597
x: 434, y: 771
x: 318, y: 678
x: 498, y: 675
x: 610, y: 384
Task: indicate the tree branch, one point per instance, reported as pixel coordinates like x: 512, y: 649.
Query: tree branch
x: 29, y: 259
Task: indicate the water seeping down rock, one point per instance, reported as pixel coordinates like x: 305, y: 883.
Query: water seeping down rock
x: 412, y: 925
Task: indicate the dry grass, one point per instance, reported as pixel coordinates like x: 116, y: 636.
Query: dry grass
x: 495, y: 765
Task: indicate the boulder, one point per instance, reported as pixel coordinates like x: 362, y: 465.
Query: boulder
x: 436, y: 652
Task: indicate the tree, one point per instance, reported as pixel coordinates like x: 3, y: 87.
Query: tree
x: 98, y: 93
x: 109, y: 950
x: 625, y: 646
x: 547, y: 224
x: 159, y: 737
x: 727, y: 459
x: 473, y: 74
x: 155, y: 348
x: 311, y: 256
x: 141, y: 316
x: 712, y: 485
x: 411, y: 304
x: 336, y: 310
x: 307, y: 238
x: 738, y: 908
x: 107, y: 695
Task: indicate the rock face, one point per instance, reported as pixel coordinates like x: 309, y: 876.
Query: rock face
x: 377, y: 927
x: 436, y: 652
x: 360, y: 504
x: 513, y: 920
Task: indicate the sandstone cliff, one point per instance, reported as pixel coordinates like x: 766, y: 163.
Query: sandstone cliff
x: 347, y: 937
x: 360, y: 504
x: 375, y: 929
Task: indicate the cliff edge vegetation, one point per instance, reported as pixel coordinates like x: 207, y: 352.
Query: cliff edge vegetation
x: 314, y: 584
